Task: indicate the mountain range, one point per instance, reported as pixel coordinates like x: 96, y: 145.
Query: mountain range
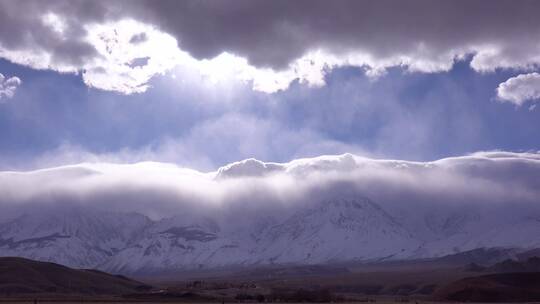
x: 339, y: 226
x: 341, y: 230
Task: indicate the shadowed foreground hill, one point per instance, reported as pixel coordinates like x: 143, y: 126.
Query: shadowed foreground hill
x: 24, y: 276
x: 501, y: 287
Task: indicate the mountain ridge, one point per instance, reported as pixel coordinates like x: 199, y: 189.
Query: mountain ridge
x: 326, y: 209
x: 25, y: 276
x: 340, y: 230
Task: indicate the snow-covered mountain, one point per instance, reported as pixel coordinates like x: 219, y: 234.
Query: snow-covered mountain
x: 336, y: 230
x: 350, y: 209
x: 344, y: 229
x: 340, y: 230
x: 73, y: 237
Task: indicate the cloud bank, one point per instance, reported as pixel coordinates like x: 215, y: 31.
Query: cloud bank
x: 8, y: 86
x: 482, y: 181
x: 269, y: 44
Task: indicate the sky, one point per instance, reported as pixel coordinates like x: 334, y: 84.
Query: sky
x: 228, y: 109
x: 201, y: 84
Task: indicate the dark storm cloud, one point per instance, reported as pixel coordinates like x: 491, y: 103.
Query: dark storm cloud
x: 273, y: 33
x: 428, y: 34
x: 23, y: 28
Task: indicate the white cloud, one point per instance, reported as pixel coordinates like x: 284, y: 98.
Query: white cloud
x: 8, y: 86
x: 520, y: 89
x: 113, y: 68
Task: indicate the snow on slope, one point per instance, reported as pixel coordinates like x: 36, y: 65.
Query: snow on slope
x: 337, y: 230
x: 73, y: 237
x: 345, y: 229
x: 175, y: 243
x: 341, y: 230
